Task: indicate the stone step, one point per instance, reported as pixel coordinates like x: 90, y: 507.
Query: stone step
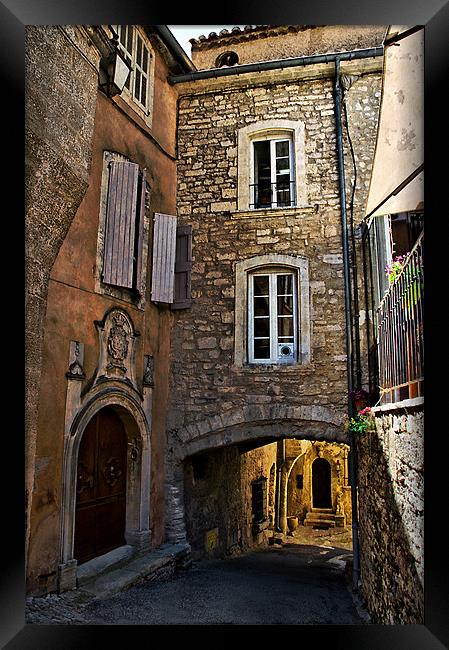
x: 320, y: 522
x: 158, y: 564
x: 92, y: 569
x: 320, y: 515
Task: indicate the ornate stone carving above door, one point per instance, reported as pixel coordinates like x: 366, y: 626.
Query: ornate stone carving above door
x: 117, y: 339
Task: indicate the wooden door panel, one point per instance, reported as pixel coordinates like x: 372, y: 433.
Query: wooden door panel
x: 100, y: 519
x: 84, y: 540
x: 110, y: 525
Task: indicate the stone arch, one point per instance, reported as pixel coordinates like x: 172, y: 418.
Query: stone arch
x: 241, y: 425
x: 124, y: 402
x: 260, y: 421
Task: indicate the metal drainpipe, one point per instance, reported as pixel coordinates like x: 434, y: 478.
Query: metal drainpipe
x: 346, y: 276
x: 279, y: 64
x: 280, y: 466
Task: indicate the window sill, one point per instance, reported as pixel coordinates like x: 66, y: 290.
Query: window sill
x: 273, y: 212
x: 253, y: 368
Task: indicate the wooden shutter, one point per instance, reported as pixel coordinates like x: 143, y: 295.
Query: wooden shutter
x: 164, y: 248
x: 120, y: 224
x: 183, y: 268
x: 140, y: 233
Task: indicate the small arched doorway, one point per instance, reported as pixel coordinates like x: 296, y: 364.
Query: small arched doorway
x: 100, y: 513
x: 321, y: 483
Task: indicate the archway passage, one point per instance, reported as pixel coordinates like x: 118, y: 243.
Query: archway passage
x: 100, y: 517
x: 321, y: 483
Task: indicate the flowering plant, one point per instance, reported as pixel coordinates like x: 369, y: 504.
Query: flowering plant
x: 360, y: 422
x: 394, y: 269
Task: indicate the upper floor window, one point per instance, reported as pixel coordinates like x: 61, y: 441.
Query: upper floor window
x: 273, y: 178
x: 272, y: 317
x: 123, y: 236
x: 124, y: 254
x: 271, y: 162
x: 272, y: 311
x: 137, y: 52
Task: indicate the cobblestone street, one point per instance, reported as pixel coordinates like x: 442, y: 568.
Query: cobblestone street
x: 306, y: 578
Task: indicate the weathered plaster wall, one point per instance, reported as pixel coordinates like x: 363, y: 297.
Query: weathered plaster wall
x: 391, y: 521
x: 73, y: 303
x: 60, y: 98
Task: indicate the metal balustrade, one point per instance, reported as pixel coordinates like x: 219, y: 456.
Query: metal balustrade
x: 272, y: 195
x: 400, y: 336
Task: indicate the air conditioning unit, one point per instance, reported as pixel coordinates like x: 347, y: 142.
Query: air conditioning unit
x: 286, y: 352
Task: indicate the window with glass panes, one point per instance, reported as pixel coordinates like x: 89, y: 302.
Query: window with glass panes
x: 137, y: 53
x: 272, y: 317
x: 273, y: 184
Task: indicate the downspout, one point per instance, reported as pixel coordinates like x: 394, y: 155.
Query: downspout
x: 280, y: 466
x: 349, y: 360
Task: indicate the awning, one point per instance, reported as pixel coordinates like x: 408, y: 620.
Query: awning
x: 397, y: 179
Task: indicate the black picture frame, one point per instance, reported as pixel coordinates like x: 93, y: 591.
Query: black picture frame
x: 434, y: 14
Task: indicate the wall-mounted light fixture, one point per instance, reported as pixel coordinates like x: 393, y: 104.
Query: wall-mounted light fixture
x: 114, y: 70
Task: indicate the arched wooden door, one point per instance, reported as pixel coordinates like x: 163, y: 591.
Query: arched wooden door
x: 321, y: 483
x: 100, y: 516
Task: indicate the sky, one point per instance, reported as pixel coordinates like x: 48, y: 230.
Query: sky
x: 183, y: 33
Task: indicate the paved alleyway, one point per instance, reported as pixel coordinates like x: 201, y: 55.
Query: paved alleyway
x: 291, y: 584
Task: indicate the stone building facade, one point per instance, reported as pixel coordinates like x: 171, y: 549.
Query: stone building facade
x: 220, y: 395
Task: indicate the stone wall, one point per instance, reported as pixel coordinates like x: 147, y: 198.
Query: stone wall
x: 205, y: 380
x: 299, y: 500
x: 217, y: 497
x: 391, y: 521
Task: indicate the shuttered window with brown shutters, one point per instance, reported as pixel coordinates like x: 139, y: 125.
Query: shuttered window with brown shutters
x: 123, y: 244
x: 183, y: 268
x: 164, y: 249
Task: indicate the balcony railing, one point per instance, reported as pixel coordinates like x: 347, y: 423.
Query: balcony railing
x: 272, y: 195
x: 401, y: 332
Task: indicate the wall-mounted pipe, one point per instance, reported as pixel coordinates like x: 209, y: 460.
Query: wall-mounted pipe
x: 348, y: 314
x: 276, y: 65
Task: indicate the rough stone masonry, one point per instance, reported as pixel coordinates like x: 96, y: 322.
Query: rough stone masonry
x: 205, y: 379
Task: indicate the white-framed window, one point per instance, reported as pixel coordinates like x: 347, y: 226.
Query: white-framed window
x: 138, y: 53
x: 272, y: 317
x: 272, y: 311
x: 273, y: 179
x: 271, y: 165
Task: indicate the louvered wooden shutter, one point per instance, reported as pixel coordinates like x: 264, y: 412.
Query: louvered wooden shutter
x: 139, y: 235
x: 164, y: 248
x: 183, y: 268
x: 120, y: 224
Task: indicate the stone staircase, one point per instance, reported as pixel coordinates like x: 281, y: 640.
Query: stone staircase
x: 320, y: 518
